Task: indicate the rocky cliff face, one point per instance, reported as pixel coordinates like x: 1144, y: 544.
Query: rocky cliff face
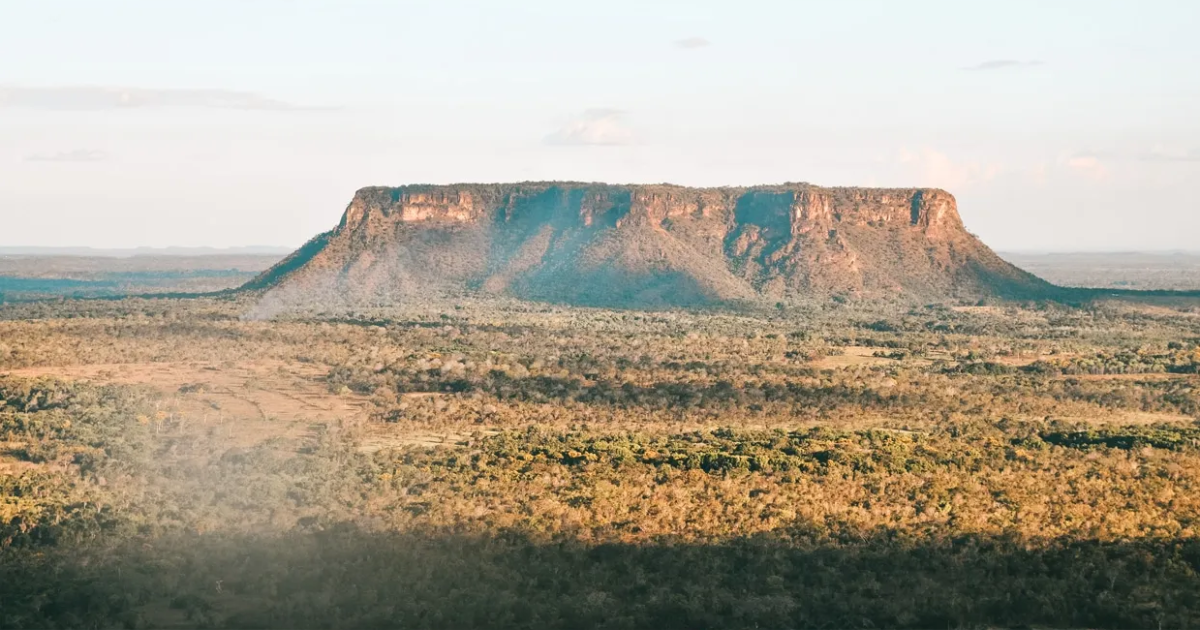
x: 647, y: 245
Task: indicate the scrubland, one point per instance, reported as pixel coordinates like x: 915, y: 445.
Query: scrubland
x: 462, y: 463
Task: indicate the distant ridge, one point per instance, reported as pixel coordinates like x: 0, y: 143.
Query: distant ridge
x: 1115, y: 253
x: 143, y: 251
x: 646, y: 245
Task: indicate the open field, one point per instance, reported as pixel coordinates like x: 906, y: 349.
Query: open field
x: 1141, y: 271
x: 170, y: 463
x: 31, y: 276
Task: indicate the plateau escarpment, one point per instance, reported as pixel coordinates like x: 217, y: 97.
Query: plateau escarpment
x: 646, y: 245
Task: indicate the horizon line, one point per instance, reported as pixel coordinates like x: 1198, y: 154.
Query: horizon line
x: 181, y: 250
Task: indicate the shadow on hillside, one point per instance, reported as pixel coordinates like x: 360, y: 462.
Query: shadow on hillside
x: 344, y: 577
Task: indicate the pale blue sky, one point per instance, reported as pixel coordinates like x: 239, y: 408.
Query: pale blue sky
x: 1058, y: 125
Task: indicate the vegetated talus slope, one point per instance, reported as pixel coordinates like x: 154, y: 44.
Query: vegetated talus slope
x: 645, y: 245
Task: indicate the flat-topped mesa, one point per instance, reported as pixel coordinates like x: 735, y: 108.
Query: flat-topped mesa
x: 648, y: 244
x: 806, y: 207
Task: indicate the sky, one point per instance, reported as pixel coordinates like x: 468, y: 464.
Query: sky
x: 1059, y: 125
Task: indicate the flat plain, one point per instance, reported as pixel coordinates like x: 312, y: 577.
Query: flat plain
x: 25, y: 276
x: 169, y: 462
x: 1130, y: 270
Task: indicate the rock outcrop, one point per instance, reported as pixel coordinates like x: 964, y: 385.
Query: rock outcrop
x: 646, y: 245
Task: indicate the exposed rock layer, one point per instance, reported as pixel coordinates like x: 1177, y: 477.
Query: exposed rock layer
x: 646, y: 245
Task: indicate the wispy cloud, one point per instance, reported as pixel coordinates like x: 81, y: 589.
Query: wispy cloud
x: 692, y: 43
x: 1097, y: 161
x: 98, y: 98
x: 1087, y: 165
x: 1000, y: 64
x: 1159, y: 153
x: 928, y: 167
x: 594, y: 127
x: 76, y: 155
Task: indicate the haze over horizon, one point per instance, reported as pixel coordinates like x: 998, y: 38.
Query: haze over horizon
x: 1064, y: 127
x: 281, y: 250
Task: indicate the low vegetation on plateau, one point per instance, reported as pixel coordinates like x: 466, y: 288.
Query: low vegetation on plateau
x: 486, y: 462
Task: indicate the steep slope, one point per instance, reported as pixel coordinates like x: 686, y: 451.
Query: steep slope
x: 650, y: 245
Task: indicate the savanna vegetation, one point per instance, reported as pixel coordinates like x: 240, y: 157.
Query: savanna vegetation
x: 172, y: 463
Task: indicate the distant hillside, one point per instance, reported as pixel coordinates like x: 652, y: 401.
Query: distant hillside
x: 645, y: 245
x: 99, y: 252
x: 31, y: 277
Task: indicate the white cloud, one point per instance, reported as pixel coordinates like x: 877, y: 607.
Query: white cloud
x: 1160, y: 153
x: 1040, y: 173
x: 76, y: 155
x: 692, y: 43
x: 934, y: 168
x: 1086, y: 165
x: 98, y: 98
x: 1000, y: 64
x: 594, y: 127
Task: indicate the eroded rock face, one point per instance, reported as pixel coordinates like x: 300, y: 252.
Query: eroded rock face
x: 649, y: 245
